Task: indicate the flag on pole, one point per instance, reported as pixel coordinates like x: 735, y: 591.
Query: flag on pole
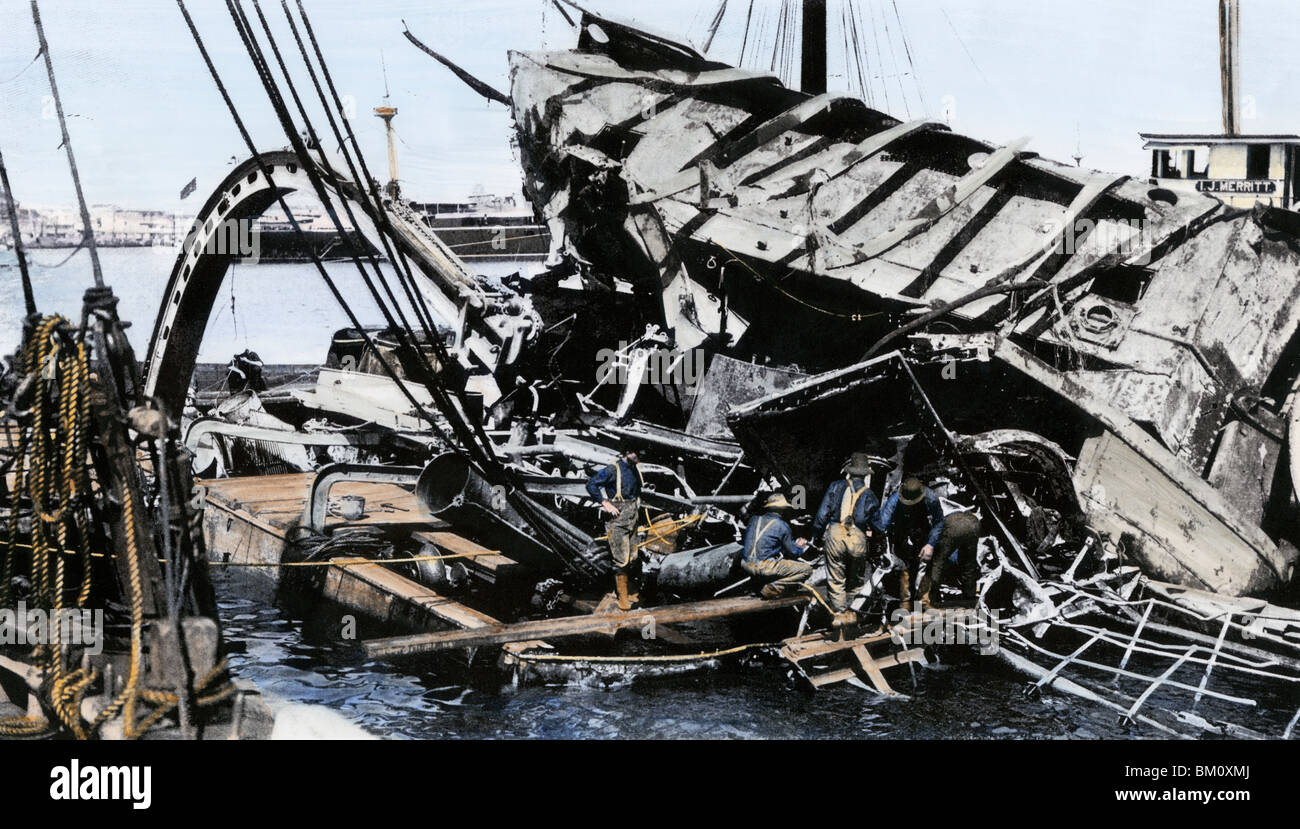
x: 189, y: 188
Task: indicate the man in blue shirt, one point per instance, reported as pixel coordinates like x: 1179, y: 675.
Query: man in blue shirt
x: 912, y: 519
x: 844, y: 522
x: 617, y: 488
x: 770, y: 552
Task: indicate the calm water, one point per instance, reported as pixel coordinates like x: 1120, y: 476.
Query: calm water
x: 735, y: 701
x: 283, y: 312
x: 978, y: 699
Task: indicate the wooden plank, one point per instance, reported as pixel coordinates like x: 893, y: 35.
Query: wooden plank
x: 609, y: 604
x: 820, y: 646
x: 872, y: 670
x: 900, y: 658
x: 567, y: 626
x: 841, y: 674
x: 1179, y: 539
x: 942, y: 204
x: 374, y: 588
x: 832, y: 677
x: 278, y: 500
x: 493, y: 565
x: 1257, y: 560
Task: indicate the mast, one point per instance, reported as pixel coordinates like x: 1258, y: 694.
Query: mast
x: 812, y: 75
x: 88, y: 235
x: 387, y: 113
x: 28, y: 297
x: 1229, y: 64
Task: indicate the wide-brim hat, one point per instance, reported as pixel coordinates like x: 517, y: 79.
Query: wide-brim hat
x: 777, y: 500
x: 859, y: 463
x: 912, y: 491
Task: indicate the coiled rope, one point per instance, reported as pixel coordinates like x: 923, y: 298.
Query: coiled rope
x: 51, y: 471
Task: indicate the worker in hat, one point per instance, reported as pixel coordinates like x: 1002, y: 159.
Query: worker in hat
x: 617, y: 488
x: 770, y: 552
x: 961, y: 533
x: 844, y: 522
x: 912, y: 519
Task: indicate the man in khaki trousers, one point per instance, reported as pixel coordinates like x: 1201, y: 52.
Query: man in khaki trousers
x: 617, y: 488
x: 844, y: 522
x: 770, y: 552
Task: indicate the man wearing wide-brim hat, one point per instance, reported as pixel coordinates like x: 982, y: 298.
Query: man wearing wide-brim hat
x: 617, y: 488
x: 844, y: 522
x: 912, y: 519
x: 770, y: 552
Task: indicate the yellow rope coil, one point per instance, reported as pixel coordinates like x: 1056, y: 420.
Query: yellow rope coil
x: 50, y: 470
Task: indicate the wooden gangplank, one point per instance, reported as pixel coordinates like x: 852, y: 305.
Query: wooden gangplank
x: 567, y: 626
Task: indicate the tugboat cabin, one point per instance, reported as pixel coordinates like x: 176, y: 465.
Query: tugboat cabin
x: 1240, y: 170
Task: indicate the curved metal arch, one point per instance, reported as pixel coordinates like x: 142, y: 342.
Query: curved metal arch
x: 200, y: 270
x: 494, y: 321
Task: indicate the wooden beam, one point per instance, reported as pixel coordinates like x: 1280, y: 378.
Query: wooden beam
x: 945, y: 202
x: 500, y: 634
x: 382, y: 594
x: 732, y: 151
x: 486, y: 563
x: 872, y: 671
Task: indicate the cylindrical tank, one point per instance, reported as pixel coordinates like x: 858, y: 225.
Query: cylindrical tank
x: 703, y: 570
x: 451, y: 489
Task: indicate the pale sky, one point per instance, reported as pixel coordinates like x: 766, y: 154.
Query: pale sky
x: 145, y: 117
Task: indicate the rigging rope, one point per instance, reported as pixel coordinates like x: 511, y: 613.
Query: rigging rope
x: 254, y: 50
x: 375, y: 204
x: 474, y: 440
x: 884, y: 85
x: 744, y: 40
x: 907, y: 50
x: 29, y: 65
x: 266, y: 173
x: 713, y: 27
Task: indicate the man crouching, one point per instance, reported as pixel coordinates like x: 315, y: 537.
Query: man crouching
x: 771, y: 551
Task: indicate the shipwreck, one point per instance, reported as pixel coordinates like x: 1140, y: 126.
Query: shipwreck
x: 1103, y: 367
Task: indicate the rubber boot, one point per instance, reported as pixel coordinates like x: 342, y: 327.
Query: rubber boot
x: 969, y: 580
x: 927, y: 584
x: 905, y: 590
x: 633, y: 594
x: 845, y: 618
x: 620, y: 587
